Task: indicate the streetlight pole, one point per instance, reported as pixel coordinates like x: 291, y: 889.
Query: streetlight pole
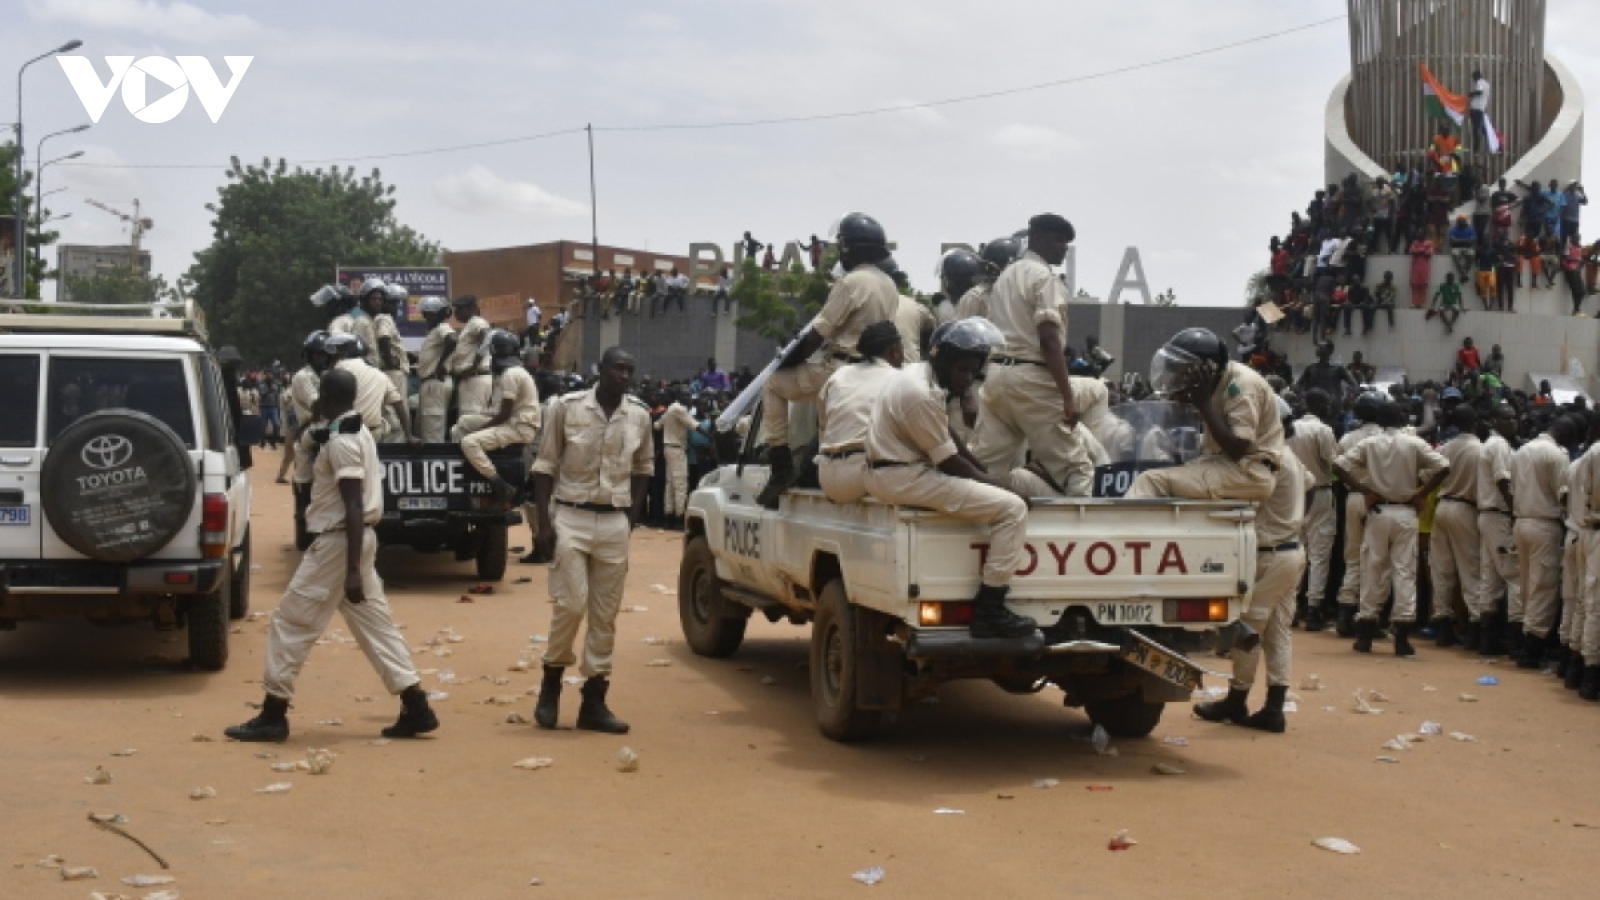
x: 20, y: 276
x: 38, y: 179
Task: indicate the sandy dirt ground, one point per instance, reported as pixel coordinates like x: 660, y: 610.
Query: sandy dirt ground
x: 737, y: 795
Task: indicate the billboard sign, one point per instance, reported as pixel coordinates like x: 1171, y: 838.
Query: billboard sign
x: 419, y: 281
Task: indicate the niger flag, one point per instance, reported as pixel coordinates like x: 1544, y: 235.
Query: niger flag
x: 1441, y: 104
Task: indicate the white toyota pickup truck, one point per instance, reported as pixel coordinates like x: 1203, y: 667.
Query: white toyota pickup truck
x: 1122, y: 589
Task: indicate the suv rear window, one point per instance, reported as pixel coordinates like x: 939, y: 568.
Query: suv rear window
x: 19, y: 415
x: 81, y: 385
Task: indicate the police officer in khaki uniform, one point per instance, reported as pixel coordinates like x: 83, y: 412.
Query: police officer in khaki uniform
x: 468, y: 364
x: 863, y: 296
x: 596, y: 457
x: 1498, y: 571
x: 1573, y: 565
x: 1453, y: 550
x: 1243, y: 432
x: 370, y: 303
x: 1027, y: 401
x: 996, y: 256
x: 675, y: 425
x: 374, y: 392
x: 1355, y: 513
x: 1538, y: 478
x: 302, y: 395
x: 515, y: 400
x: 337, y: 303
x: 1396, y: 472
x: 844, y: 412
x: 433, y: 371
x: 1314, y: 445
x: 912, y: 460
x: 959, y: 271
x: 1586, y: 486
x: 391, y: 346
x: 339, y: 573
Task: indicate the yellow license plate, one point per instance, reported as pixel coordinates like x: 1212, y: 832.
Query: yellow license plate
x: 1161, y: 662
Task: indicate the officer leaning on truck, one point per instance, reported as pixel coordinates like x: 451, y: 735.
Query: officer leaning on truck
x: 433, y: 370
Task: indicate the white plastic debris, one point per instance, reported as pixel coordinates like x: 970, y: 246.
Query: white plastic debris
x: 654, y: 641
x: 266, y: 754
x: 1210, y: 693
x: 1102, y: 742
x: 318, y: 761
x: 1387, y: 759
x: 281, y: 787
x: 1428, y: 689
x: 331, y: 722
x: 98, y: 776
x: 947, y: 811
x: 534, y: 762
x: 1362, y: 706
x: 160, y: 895
x: 148, y: 880
x: 79, y: 873
x: 1168, y: 769
x: 571, y: 679
x: 538, y: 639
x: 1337, y: 845
x: 98, y: 895
x: 127, y: 752
x: 1431, y: 728
x: 1175, y: 741
x: 870, y: 876
x: 662, y: 589
x: 522, y: 664
x: 438, y: 696
x: 1046, y: 783
x: 635, y: 609
x: 1289, y: 706
x: 1378, y: 697
x: 53, y: 861
x: 627, y: 760
x: 1462, y: 736
x: 1398, y: 743
x: 447, y: 676
x: 516, y: 718
x: 1121, y: 841
x: 1468, y: 698
x: 202, y: 793
x: 1312, y: 683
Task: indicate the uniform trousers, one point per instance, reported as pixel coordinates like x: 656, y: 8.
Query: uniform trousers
x: 1210, y: 477
x: 1020, y: 408
x: 1589, y: 639
x: 315, y: 592
x: 586, y: 580
x: 677, y: 498
x: 472, y: 394
x: 1270, y: 611
x: 1389, y: 558
x: 797, y: 384
x: 433, y: 409
x: 1453, y: 556
x: 843, y: 480
x: 1321, y: 527
x: 1497, y: 561
x: 1573, y: 567
x: 394, y: 434
x: 1539, y: 568
x: 1355, y: 525
x: 1005, y: 513
x: 476, y: 441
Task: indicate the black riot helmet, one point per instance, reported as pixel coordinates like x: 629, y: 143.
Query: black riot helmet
x: 999, y: 253
x: 1193, y: 356
x: 344, y: 345
x: 1368, y: 406
x: 860, y: 240
x: 315, y: 350
x: 434, y: 310
x: 958, y: 271
x: 505, y: 350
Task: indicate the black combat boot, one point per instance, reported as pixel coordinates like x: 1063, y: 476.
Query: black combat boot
x: 1402, y: 640
x: 1574, y: 679
x: 1513, y: 640
x: 1563, y: 660
x: 991, y: 619
x: 1493, y: 642
x: 548, y: 709
x: 1315, y: 621
x: 593, y: 714
x: 1366, y: 630
x: 1590, y: 688
x: 1299, y: 613
x: 271, y: 726
x: 1229, y: 709
x: 780, y: 478
x: 1444, y: 633
x: 1472, y: 641
x: 1346, y: 623
x: 416, y: 717
x: 1531, y: 655
x: 1270, y: 716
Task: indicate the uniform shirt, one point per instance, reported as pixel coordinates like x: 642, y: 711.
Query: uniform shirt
x: 1581, y: 489
x: 431, y: 356
x: 374, y: 392
x: 1357, y: 435
x: 1313, y: 444
x: 344, y: 323
x: 384, y: 327
x: 912, y: 319
x: 910, y: 420
x: 517, y: 385
x: 844, y: 405
x: 303, y: 392
x: 594, y: 459
x: 1250, y: 408
x: 363, y: 328
x: 344, y: 456
x: 1280, y: 519
x: 466, y: 358
x: 1026, y: 295
x: 1394, y: 464
x: 1572, y: 501
x: 675, y: 425
x: 1462, y: 452
x: 864, y: 297
x: 1494, y: 466
x: 1538, y: 475
x: 249, y: 402
x: 975, y: 302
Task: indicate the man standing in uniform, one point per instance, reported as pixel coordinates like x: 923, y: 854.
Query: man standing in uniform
x: 468, y: 365
x: 1027, y: 401
x: 433, y: 372
x: 863, y: 296
x: 675, y: 424
x: 392, y: 357
x: 916, y: 322
x: 516, y: 417
x: 1314, y: 445
x: 844, y: 412
x: 1395, y: 472
x: 372, y: 298
x: 912, y: 460
x: 1355, y: 513
x: 374, y: 392
x: 337, y: 302
x: 1243, y: 431
x: 1538, y: 476
x: 1453, y: 550
x: 996, y: 256
x: 1497, y: 558
x: 960, y: 270
x: 595, y: 461
x: 340, y: 573
x: 1586, y: 481
x: 302, y: 395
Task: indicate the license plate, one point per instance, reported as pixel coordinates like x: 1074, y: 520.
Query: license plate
x: 424, y: 504
x: 16, y: 515
x: 1126, y: 614
x: 1161, y: 662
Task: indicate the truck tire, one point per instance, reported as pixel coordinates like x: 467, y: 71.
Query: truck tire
x: 239, y: 590
x: 206, y: 618
x: 493, y: 541
x: 1128, y: 716
x: 712, y: 625
x: 117, y: 485
x: 834, y: 669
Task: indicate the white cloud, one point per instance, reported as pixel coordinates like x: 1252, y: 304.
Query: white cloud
x: 1034, y: 142
x: 655, y: 21
x: 177, y: 20
x: 478, y: 190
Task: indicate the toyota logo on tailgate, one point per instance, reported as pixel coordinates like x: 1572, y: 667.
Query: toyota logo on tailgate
x: 108, y: 451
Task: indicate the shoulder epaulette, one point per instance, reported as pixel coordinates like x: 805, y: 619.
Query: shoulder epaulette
x: 637, y: 402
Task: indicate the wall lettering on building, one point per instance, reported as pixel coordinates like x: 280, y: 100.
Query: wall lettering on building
x: 1130, y: 275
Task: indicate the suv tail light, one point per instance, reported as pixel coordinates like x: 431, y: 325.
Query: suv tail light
x: 214, y: 526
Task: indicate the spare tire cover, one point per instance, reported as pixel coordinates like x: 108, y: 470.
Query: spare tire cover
x: 117, y: 485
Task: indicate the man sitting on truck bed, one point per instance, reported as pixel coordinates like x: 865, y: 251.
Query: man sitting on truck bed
x: 1243, y: 433
x: 517, y: 414
x: 844, y: 412
x: 912, y: 460
x: 374, y: 390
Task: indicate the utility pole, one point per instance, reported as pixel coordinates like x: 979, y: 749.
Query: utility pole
x: 19, y: 276
x: 594, y: 220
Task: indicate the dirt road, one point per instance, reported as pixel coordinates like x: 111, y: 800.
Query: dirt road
x: 738, y: 796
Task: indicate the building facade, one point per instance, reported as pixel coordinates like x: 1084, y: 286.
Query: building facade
x: 90, y: 261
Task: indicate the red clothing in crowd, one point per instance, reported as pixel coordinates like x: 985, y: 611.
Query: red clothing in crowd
x: 1468, y: 357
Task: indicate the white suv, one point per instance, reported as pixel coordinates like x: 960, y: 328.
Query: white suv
x: 121, y: 494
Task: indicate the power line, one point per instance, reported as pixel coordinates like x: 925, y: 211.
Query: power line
x: 783, y: 120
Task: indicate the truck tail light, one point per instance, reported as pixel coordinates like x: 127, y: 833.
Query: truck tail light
x: 931, y: 614
x: 214, y: 526
x: 1196, y: 610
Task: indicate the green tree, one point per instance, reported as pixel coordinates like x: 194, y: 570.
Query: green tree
x: 118, y: 286
x: 1170, y: 298
x: 37, y: 268
x: 776, y: 305
x: 278, y: 234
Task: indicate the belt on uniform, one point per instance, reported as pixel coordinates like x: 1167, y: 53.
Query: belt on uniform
x: 316, y: 534
x: 843, y: 454
x: 1014, y: 361
x: 1556, y: 519
x: 887, y: 464
x: 1502, y: 512
x: 593, y: 507
x: 1288, y: 547
x: 1444, y: 497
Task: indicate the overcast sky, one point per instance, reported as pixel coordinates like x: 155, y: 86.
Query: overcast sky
x: 1195, y: 162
